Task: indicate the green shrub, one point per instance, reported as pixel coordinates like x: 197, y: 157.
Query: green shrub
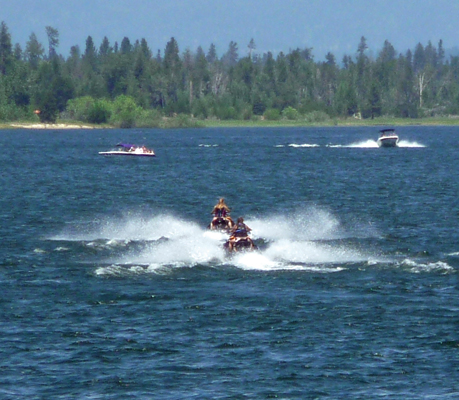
x: 290, y: 113
x: 11, y: 112
x: 316, y: 117
x: 226, y: 113
x: 149, y: 119
x: 247, y: 113
x: 181, y: 121
x: 49, y: 111
x: 272, y: 114
x: 202, y: 107
x: 125, y: 112
x: 79, y: 108
x: 100, y: 112
x: 87, y: 109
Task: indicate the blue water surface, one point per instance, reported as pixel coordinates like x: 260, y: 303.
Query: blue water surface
x: 113, y: 288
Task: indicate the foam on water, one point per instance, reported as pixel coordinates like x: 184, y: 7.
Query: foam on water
x: 310, y: 224
x: 406, y: 143
x: 372, y: 144
x: 132, y: 227
x: 418, y: 267
x: 303, y: 145
x: 367, y: 144
x: 305, y: 240
x: 191, y: 249
x: 305, y: 256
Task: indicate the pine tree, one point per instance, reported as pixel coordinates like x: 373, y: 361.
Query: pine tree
x: 53, y: 90
x: 6, y: 49
x: 211, y: 54
x: 251, y: 47
x: 145, y: 50
x: 419, y: 58
x: 441, y: 52
x: 172, y: 61
x: 126, y: 46
x: 231, y: 56
x: 105, y: 49
x: 34, y: 51
x: 90, y: 54
x: 53, y: 41
x: 172, y: 66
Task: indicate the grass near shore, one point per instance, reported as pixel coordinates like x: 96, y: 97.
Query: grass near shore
x: 382, y: 121
x: 214, y: 123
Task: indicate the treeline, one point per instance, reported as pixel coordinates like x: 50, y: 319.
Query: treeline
x: 127, y: 85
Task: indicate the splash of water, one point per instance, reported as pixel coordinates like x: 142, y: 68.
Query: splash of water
x: 309, y: 224
x: 372, y: 144
x: 406, y: 143
x: 303, y: 145
x: 367, y: 144
x: 419, y: 267
x: 129, y: 227
x: 305, y: 240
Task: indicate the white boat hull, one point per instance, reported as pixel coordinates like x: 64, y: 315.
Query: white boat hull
x: 388, y: 141
x: 126, y: 153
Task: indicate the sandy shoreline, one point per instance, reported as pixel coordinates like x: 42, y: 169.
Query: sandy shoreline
x: 51, y: 126
x: 377, y: 122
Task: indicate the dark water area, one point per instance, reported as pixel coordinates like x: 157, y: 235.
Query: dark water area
x: 113, y: 288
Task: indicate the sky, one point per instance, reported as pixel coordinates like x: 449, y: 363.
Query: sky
x: 334, y: 26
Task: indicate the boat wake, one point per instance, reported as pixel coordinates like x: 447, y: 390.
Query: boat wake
x: 298, y: 145
x: 370, y: 144
x: 406, y: 143
x: 303, y: 145
x: 365, y: 144
x: 310, y: 240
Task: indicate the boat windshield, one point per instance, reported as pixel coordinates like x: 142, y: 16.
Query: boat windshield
x: 387, y: 132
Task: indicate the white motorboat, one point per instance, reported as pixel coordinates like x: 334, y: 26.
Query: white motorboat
x: 125, y: 149
x: 387, y: 138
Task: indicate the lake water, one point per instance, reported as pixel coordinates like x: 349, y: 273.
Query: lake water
x: 112, y: 288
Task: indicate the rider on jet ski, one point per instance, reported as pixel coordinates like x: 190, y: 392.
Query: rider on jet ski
x: 238, y: 232
x: 221, y: 210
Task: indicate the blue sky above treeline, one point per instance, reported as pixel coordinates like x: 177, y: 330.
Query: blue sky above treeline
x: 334, y: 26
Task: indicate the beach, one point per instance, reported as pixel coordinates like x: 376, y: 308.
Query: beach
x: 52, y: 126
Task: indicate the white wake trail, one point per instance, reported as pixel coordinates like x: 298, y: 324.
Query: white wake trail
x: 304, y: 240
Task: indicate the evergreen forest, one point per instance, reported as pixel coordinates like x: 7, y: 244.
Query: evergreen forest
x: 128, y: 85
